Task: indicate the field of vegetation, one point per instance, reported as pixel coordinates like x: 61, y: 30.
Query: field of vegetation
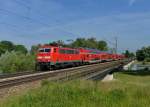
x: 129, y: 89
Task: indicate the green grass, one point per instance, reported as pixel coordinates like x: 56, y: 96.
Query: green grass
x: 142, y: 62
x: 127, y: 90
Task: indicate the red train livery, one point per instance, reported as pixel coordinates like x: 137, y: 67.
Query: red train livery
x: 49, y: 57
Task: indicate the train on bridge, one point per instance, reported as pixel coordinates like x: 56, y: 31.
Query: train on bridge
x: 53, y: 57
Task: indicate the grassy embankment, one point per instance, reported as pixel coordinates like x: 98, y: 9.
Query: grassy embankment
x: 127, y: 90
x: 142, y: 62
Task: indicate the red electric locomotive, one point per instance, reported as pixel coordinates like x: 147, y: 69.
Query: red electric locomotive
x: 54, y: 57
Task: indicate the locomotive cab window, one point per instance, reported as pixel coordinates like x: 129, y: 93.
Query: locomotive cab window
x: 47, y: 50
x: 44, y: 50
x: 41, y: 50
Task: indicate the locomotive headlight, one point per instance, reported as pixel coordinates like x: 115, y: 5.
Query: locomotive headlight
x: 47, y: 57
x: 39, y: 57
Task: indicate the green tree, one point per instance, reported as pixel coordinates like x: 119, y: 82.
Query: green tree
x: 140, y: 55
x: 9, y: 46
x: 90, y: 43
x: 79, y: 42
x: 58, y: 43
x: 143, y: 54
x: 2, y: 50
x: 34, y: 49
x: 146, y: 51
x: 129, y: 54
x: 20, y: 48
x: 6, y: 46
x: 102, y: 45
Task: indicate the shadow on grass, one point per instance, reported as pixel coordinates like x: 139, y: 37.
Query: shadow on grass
x: 138, y: 72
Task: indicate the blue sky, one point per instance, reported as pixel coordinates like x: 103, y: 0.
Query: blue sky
x: 31, y: 22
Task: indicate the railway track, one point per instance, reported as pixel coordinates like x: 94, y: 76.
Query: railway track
x: 8, y: 75
x: 59, y: 75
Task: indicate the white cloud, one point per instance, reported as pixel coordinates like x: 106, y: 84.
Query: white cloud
x: 131, y: 2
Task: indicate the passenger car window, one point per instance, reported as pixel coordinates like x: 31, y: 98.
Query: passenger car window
x: 62, y: 51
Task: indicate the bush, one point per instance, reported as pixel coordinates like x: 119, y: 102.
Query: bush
x: 16, y: 62
x: 147, y: 59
